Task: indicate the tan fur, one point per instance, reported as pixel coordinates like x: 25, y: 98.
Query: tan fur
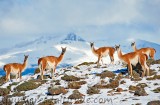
x: 15, y: 68
x: 103, y: 52
x: 132, y: 59
x: 148, y: 51
x: 50, y: 62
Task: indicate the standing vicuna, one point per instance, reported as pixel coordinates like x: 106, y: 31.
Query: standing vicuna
x: 103, y: 52
x: 149, y: 51
x: 132, y: 59
x: 50, y: 62
x: 15, y: 68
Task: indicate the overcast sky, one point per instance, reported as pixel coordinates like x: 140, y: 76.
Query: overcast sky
x: 22, y: 20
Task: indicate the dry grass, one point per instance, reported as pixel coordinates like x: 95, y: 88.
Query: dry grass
x: 46, y: 102
x: 93, y: 90
x: 30, y: 85
x: 86, y: 63
x: 76, y: 95
x: 70, y: 78
x: 106, y: 73
x: 4, y: 91
x: 57, y: 90
x: 157, y: 90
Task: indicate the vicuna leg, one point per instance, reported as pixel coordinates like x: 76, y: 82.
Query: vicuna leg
x: 20, y: 76
x: 99, y: 57
x: 147, y: 68
x: 17, y: 76
x: 144, y: 70
x: 130, y: 69
x: 42, y: 74
x: 7, y: 74
x: 9, y: 77
x: 102, y: 60
x: 112, y: 58
x: 53, y: 72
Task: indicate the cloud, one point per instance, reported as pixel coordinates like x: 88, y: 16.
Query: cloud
x: 101, y: 18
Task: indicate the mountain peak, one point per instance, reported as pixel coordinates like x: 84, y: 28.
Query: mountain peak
x: 73, y: 37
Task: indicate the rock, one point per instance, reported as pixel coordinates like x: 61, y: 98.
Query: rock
x: 74, y: 85
x: 56, y: 90
x: 140, y: 92
x: 70, y: 78
x: 106, y: 73
x: 133, y: 88
x: 122, y: 82
x: 136, y: 79
x: 157, y: 90
x: 119, y: 76
x: 76, y: 95
x: 142, y: 85
x: 93, y: 90
x: 119, y: 90
x: 156, y: 102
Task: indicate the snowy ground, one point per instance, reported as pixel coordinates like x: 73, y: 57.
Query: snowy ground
x: 88, y: 73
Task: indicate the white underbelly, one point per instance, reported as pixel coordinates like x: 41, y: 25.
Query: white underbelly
x: 14, y: 71
x: 105, y: 53
x: 51, y: 65
x: 147, y: 52
x: 134, y: 61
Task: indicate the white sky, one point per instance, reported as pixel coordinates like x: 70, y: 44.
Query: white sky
x: 22, y: 20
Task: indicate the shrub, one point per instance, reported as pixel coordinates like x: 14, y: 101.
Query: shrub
x: 27, y: 86
x: 70, y: 78
x: 4, y: 91
x: 142, y: 85
x: 74, y: 85
x: 157, y: 90
x: 47, y: 102
x: 6, y: 101
x: 113, y: 84
x: 44, y: 77
x: 106, y: 73
x: 3, y: 79
x: 76, y: 95
x: 10, y: 85
x: 133, y: 88
x: 86, y: 63
x: 20, y: 103
x: 93, y: 90
x: 154, y: 77
x: 56, y: 90
x: 140, y: 92
x: 36, y: 71
x: 155, y: 102
x: 151, y: 61
x: 17, y: 94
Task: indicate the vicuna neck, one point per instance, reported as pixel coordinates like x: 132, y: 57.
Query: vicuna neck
x: 25, y: 64
x: 93, y: 49
x: 134, y: 48
x: 120, y: 54
x: 59, y: 59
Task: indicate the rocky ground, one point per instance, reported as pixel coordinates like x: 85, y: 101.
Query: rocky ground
x: 85, y: 83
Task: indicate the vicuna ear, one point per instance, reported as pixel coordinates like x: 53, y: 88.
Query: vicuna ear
x: 119, y: 45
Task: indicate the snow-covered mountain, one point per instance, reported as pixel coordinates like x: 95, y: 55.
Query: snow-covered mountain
x: 78, y: 49
x: 72, y: 37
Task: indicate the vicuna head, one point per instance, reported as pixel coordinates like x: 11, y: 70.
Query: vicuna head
x: 133, y: 44
x: 63, y: 50
x: 91, y: 44
x: 25, y: 57
x: 117, y: 47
